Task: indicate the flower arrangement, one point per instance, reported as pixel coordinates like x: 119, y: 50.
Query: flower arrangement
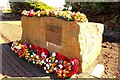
x: 55, y: 62
x: 58, y: 64
x: 66, y: 15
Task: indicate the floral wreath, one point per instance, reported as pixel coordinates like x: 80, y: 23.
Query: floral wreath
x: 66, y: 15
x: 55, y: 62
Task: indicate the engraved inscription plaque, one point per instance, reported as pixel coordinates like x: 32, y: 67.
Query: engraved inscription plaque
x: 53, y: 34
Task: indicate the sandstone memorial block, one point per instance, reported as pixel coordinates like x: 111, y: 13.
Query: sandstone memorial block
x: 72, y: 39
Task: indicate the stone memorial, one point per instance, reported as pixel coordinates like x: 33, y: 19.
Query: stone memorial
x: 72, y: 39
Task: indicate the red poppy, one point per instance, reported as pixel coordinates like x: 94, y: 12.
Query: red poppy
x: 31, y: 14
x: 21, y: 53
x: 37, y: 49
x: 74, y: 61
x: 60, y: 56
x: 51, y: 13
x: 38, y: 52
x: 61, y: 76
x: 75, y: 67
x: 45, y: 51
x: 32, y: 46
x: 24, y: 47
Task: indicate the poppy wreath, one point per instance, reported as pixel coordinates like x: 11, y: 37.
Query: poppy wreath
x: 66, y: 15
x: 55, y: 62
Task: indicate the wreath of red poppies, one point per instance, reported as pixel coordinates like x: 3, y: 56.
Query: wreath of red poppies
x: 54, y: 62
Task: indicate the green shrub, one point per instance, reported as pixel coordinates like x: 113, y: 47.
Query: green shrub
x: 101, y: 11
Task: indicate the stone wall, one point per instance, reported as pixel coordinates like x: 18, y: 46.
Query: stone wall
x: 80, y: 40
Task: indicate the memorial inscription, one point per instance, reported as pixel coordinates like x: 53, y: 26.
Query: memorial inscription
x: 53, y: 34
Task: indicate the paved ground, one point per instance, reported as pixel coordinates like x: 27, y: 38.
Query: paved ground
x: 13, y: 66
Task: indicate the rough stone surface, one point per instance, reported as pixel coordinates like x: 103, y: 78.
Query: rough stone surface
x: 90, y: 41
x: 82, y: 40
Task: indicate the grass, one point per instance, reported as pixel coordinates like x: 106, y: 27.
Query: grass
x: 6, y: 11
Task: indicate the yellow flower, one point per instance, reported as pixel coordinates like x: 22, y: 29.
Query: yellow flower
x: 20, y: 45
x: 64, y: 75
x: 47, y: 12
x: 53, y: 59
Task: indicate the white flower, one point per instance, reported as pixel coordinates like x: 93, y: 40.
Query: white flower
x: 33, y: 62
x: 50, y: 64
x: 78, y: 13
x: 37, y: 56
x: 38, y: 15
x: 53, y: 54
x: 38, y: 60
x: 72, y: 62
x: 47, y: 71
x: 16, y: 51
x: 12, y: 48
x: 55, y: 68
x: 18, y: 47
x: 56, y: 13
x: 43, y: 54
x: 56, y: 61
x: 60, y: 71
x: 30, y: 46
x: 13, y: 44
x: 27, y: 13
x: 31, y: 56
x: 47, y: 65
x: 60, y: 66
x: 42, y: 61
x: 44, y: 68
x: 34, y: 54
x: 73, y: 12
x: 47, y: 60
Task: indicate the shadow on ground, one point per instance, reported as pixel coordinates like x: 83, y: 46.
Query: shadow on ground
x: 14, y: 66
x: 111, y: 36
x: 110, y: 39
x: 10, y: 17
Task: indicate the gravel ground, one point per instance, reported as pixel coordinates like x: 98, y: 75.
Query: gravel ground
x: 109, y: 58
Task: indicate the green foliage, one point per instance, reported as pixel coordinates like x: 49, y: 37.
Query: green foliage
x: 97, y: 10
x: 18, y: 7
x: 95, y: 7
